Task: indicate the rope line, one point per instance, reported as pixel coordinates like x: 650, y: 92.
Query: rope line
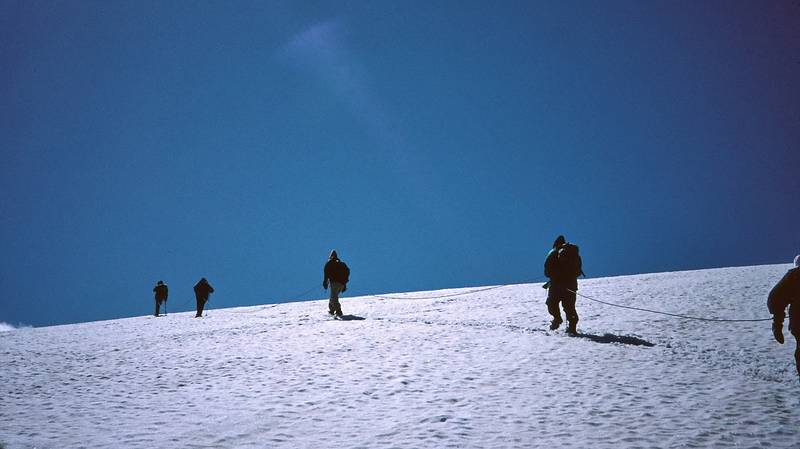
x: 262, y: 306
x: 484, y: 289
x: 188, y: 302
x: 440, y: 296
x: 667, y: 313
x: 296, y: 297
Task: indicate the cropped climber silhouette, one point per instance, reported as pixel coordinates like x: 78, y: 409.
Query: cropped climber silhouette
x: 338, y: 274
x: 787, y: 293
x: 562, y: 266
x: 201, y: 291
x: 161, y: 292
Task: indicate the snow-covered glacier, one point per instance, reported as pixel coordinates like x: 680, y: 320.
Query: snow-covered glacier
x: 464, y: 368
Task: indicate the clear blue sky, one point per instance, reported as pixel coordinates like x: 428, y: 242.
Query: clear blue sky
x: 434, y: 144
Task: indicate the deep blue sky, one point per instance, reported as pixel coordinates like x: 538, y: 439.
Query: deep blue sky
x: 434, y: 145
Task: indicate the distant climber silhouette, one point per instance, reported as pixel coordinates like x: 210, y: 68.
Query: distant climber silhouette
x: 787, y: 293
x: 161, y: 292
x: 338, y: 274
x: 562, y: 266
x: 201, y: 291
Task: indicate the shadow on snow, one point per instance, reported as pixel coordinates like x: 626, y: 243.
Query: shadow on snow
x: 611, y: 338
x: 350, y: 318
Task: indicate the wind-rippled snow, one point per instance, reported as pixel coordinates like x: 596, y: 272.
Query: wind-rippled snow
x: 479, y: 370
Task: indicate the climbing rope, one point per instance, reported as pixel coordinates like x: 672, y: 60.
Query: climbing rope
x: 184, y: 304
x: 484, y: 289
x: 667, y: 313
x: 586, y: 297
x: 296, y: 297
x: 440, y: 296
x: 291, y: 299
x: 301, y: 295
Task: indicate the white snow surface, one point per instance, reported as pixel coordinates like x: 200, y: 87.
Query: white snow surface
x: 477, y: 370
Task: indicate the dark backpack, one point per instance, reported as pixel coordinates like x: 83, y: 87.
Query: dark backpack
x: 341, y: 272
x: 569, y: 261
x: 161, y: 292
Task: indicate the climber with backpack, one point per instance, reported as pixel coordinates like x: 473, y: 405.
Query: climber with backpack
x: 562, y: 266
x: 338, y: 274
x: 786, y: 293
x: 161, y: 294
x: 201, y: 291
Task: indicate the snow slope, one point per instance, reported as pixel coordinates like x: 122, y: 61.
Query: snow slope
x: 475, y: 370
